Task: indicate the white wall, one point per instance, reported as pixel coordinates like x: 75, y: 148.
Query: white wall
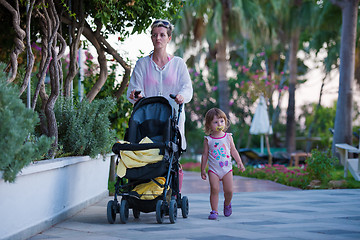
x: 47, y: 192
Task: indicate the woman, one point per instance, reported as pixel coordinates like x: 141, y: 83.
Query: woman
x: 161, y: 74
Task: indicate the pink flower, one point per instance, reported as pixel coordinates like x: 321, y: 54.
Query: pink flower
x: 231, y: 102
x: 245, y: 69
x: 262, y: 54
x: 214, y: 88
x: 35, y: 46
x: 237, y: 64
x: 282, y: 73
x: 88, y: 56
x: 286, y: 88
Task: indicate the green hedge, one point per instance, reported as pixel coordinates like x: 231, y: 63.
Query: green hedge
x: 19, y: 146
x: 84, y: 128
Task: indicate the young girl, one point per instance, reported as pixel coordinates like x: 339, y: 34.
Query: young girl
x: 218, y: 148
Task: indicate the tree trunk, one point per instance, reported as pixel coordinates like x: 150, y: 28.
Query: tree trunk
x: 30, y: 55
x: 290, y: 118
x: 343, y: 118
x: 222, y: 60
x: 103, y: 70
x: 102, y: 46
x: 76, y: 31
x: 45, y: 60
x: 277, y: 110
x: 312, y: 124
x: 18, y: 40
x: 50, y: 24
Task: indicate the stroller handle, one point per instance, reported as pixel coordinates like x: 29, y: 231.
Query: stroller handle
x: 173, y: 96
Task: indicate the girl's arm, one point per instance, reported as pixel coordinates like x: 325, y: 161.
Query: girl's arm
x: 235, y: 154
x: 204, y: 159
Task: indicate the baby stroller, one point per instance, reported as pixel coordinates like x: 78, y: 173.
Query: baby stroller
x: 152, y: 117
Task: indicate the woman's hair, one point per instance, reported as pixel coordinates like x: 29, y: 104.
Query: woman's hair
x: 163, y: 23
x: 209, y: 116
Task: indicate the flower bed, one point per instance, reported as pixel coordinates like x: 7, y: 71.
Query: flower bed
x: 296, y: 177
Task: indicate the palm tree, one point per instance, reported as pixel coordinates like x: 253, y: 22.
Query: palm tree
x: 218, y: 23
x: 343, y: 119
x: 286, y: 20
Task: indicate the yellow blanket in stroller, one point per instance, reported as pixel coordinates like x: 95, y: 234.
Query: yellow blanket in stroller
x: 132, y: 159
x: 150, y: 190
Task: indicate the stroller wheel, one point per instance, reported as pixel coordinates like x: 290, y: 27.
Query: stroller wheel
x: 124, y: 211
x: 173, y: 211
x: 159, y: 211
x: 136, y: 213
x: 185, y: 206
x: 111, y: 211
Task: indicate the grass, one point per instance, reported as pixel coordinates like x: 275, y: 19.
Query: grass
x: 111, y: 187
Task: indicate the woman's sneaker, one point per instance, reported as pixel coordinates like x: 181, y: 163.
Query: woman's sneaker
x: 227, y: 210
x: 213, y: 215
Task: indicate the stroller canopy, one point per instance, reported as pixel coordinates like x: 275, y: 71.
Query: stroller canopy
x: 150, y: 118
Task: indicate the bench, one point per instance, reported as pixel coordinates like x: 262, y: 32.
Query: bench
x: 349, y: 164
x: 295, y: 157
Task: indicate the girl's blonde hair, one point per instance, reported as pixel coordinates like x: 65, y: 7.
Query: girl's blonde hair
x: 209, y: 116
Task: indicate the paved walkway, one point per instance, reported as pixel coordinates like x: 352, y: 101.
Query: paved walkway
x: 261, y: 210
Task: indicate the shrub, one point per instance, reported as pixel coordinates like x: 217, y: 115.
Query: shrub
x: 295, y: 177
x: 320, y: 165
x: 84, y: 128
x: 19, y: 146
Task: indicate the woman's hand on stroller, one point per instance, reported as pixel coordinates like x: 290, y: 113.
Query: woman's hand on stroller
x: 179, y: 99
x: 135, y: 95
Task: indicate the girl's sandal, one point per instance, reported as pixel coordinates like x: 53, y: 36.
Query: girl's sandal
x: 227, y: 210
x: 213, y: 215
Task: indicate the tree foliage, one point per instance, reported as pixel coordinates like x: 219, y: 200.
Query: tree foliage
x: 56, y: 24
x: 317, y: 22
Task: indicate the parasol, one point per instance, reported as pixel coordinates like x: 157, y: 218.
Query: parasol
x: 260, y: 124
